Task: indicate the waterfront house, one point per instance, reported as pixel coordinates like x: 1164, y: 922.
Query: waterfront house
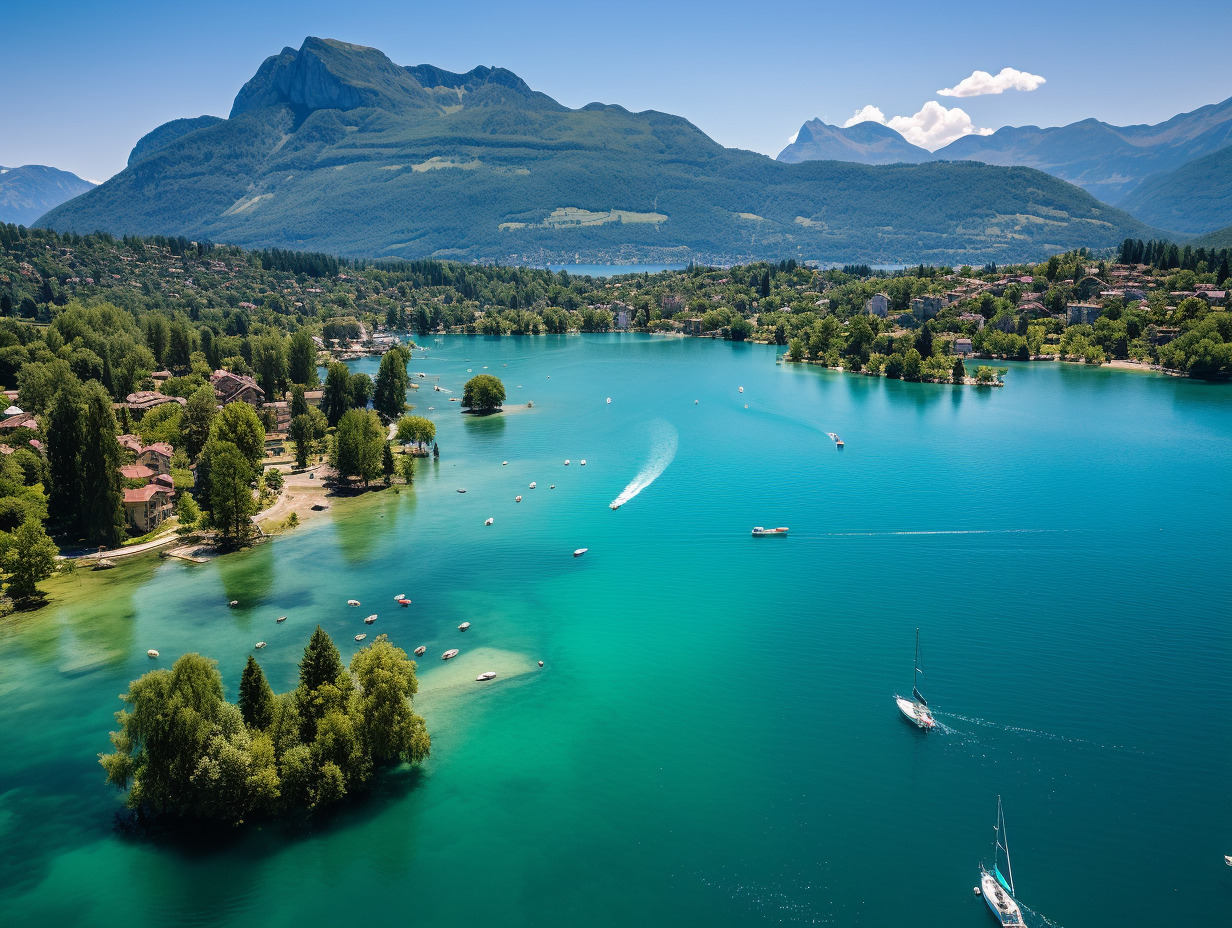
x: 147, y: 507
x: 962, y: 346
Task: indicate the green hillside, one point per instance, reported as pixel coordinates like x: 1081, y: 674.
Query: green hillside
x: 334, y: 148
x: 1195, y: 198
x: 1221, y: 238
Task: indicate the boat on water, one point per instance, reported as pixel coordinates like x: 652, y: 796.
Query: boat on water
x: 352, y: 602
x: 403, y: 602
x: 532, y: 484
x: 452, y: 652
x: 360, y: 637
x: 517, y: 499
x: 488, y: 521
x: 464, y: 626
x: 759, y: 532
x: 915, y: 710
x: 580, y: 551
x: 834, y: 438
x: 281, y: 618
x: 609, y: 401
x: 613, y: 505
x: 259, y: 645
x: 151, y: 653
x: 486, y: 675
x: 421, y: 650
x: 996, y: 887
x: 566, y: 462
x: 742, y: 389
x: 370, y: 619
x: 233, y: 603
x: 504, y: 463
x: 1227, y: 858
x: 582, y: 462
x: 461, y: 489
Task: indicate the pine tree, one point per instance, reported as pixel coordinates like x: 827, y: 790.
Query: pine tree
x: 64, y: 425
x: 1223, y: 274
x: 321, y: 662
x: 256, y: 699
x: 387, y: 464
x: 99, y: 470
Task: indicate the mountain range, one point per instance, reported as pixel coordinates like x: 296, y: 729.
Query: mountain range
x: 32, y: 189
x: 1152, y: 172
x: 333, y: 147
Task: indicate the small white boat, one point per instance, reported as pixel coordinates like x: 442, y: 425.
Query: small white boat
x: 486, y: 675
x: 695, y: 402
x: 552, y: 487
x: 566, y: 462
x: 1227, y: 858
x: 360, y: 637
x: 609, y: 401
x: 352, y: 602
x: 517, y: 499
x: 532, y: 484
x: 915, y: 710
x: 580, y: 551
x: 151, y: 653
x: 461, y: 489
x: 452, y: 652
x: 421, y: 650
x: 399, y: 597
x: 281, y: 618
x: 233, y: 603
x: 259, y: 645
x: 996, y: 888
x: 504, y: 463
x: 370, y: 619
x: 582, y: 462
x: 464, y: 626
x: 541, y: 663
x: 488, y: 521
x: 759, y: 532
x: 742, y: 389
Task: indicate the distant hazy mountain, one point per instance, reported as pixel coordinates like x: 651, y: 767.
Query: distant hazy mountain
x: 167, y: 133
x: 1107, y: 161
x: 1195, y: 198
x: 32, y: 189
x: 333, y: 147
x: 865, y: 143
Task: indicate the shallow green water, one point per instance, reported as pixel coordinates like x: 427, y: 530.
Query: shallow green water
x: 712, y: 739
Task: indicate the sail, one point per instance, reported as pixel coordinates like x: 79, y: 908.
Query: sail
x: 919, y: 697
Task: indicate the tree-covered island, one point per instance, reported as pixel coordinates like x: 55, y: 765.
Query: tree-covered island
x: 183, y: 752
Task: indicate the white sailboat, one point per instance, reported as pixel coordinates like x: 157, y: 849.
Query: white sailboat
x: 915, y: 710
x: 997, y: 887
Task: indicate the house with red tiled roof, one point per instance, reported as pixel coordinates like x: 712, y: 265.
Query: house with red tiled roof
x: 143, y: 401
x: 138, y: 472
x: 157, y: 456
x: 22, y: 420
x: 147, y: 507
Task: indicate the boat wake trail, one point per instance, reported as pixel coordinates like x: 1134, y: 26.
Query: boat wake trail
x: 1030, y: 733
x: 663, y: 451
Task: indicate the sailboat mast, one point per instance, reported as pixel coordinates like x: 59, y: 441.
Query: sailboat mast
x: 1005, y: 841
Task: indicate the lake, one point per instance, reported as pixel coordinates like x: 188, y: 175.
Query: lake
x: 712, y: 739
x: 612, y: 270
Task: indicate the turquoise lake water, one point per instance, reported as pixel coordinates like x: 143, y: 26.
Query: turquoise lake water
x: 713, y: 739
x: 613, y: 270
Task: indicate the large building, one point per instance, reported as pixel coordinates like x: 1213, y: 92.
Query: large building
x: 877, y: 305
x: 229, y: 388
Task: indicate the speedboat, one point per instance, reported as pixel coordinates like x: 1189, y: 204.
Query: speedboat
x: 613, y: 505
x: 759, y: 532
x: 352, y: 602
x: 259, y: 645
x: 582, y: 462
x: 464, y: 626
x: 281, y: 618
x: 517, y: 499
x: 486, y: 675
x: 370, y: 619
x: 580, y: 551
x: 452, y: 652
x: 488, y: 521
x: 360, y: 637
x: 399, y: 597
x: 532, y: 484
x: 566, y: 462
x: 151, y: 653
x: 421, y: 650
x: 504, y: 463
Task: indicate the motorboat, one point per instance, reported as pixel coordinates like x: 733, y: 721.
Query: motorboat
x: 461, y: 489
x: 452, y: 652
x: 259, y: 645
x: 532, y: 484
x: 421, y: 650
x: 566, y: 462
x: 613, y: 505
x: 915, y: 710
x: 488, y: 521
x: 399, y: 597
x: 233, y: 603
x: 404, y: 602
x: 486, y: 675
x: 504, y: 463
x: 360, y: 637
x: 517, y: 499
x: 582, y: 462
x: 580, y: 551
x: 370, y: 619
x: 541, y: 663
x: 742, y: 389
x: 352, y: 602
x: 552, y: 487
x: 464, y: 626
x: 759, y: 532
x: 609, y: 401
x: 151, y: 653
x: 281, y: 618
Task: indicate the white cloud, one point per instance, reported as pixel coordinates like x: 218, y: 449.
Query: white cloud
x: 795, y: 135
x: 981, y: 82
x: 932, y: 127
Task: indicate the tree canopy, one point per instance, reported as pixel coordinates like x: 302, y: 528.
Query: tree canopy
x: 483, y: 393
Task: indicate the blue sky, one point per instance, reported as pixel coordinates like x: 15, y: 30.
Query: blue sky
x: 83, y: 81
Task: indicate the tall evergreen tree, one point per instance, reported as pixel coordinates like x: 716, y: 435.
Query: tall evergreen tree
x: 302, y: 360
x: 336, y: 398
x: 101, y: 489
x: 389, y: 396
x: 231, y: 502
x: 321, y: 662
x: 64, y: 425
x: 256, y: 699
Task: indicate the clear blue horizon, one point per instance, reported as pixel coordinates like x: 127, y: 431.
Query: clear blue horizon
x: 748, y: 77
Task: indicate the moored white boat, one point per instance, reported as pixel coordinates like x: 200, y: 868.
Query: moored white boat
x: 517, y: 499
x: 452, y: 652
x: 421, y: 650
x: 486, y: 675
x: 352, y: 602
x: 759, y: 532
x: 281, y: 618
x: 488, y: 521
x: 370, y: 619
x: 532, y: 484
x: 259, y: 645
x: 360, y: 637
x: 464, y: 626
x: 151, y: 653
x: 580, y: 551
x: 915, y: 710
